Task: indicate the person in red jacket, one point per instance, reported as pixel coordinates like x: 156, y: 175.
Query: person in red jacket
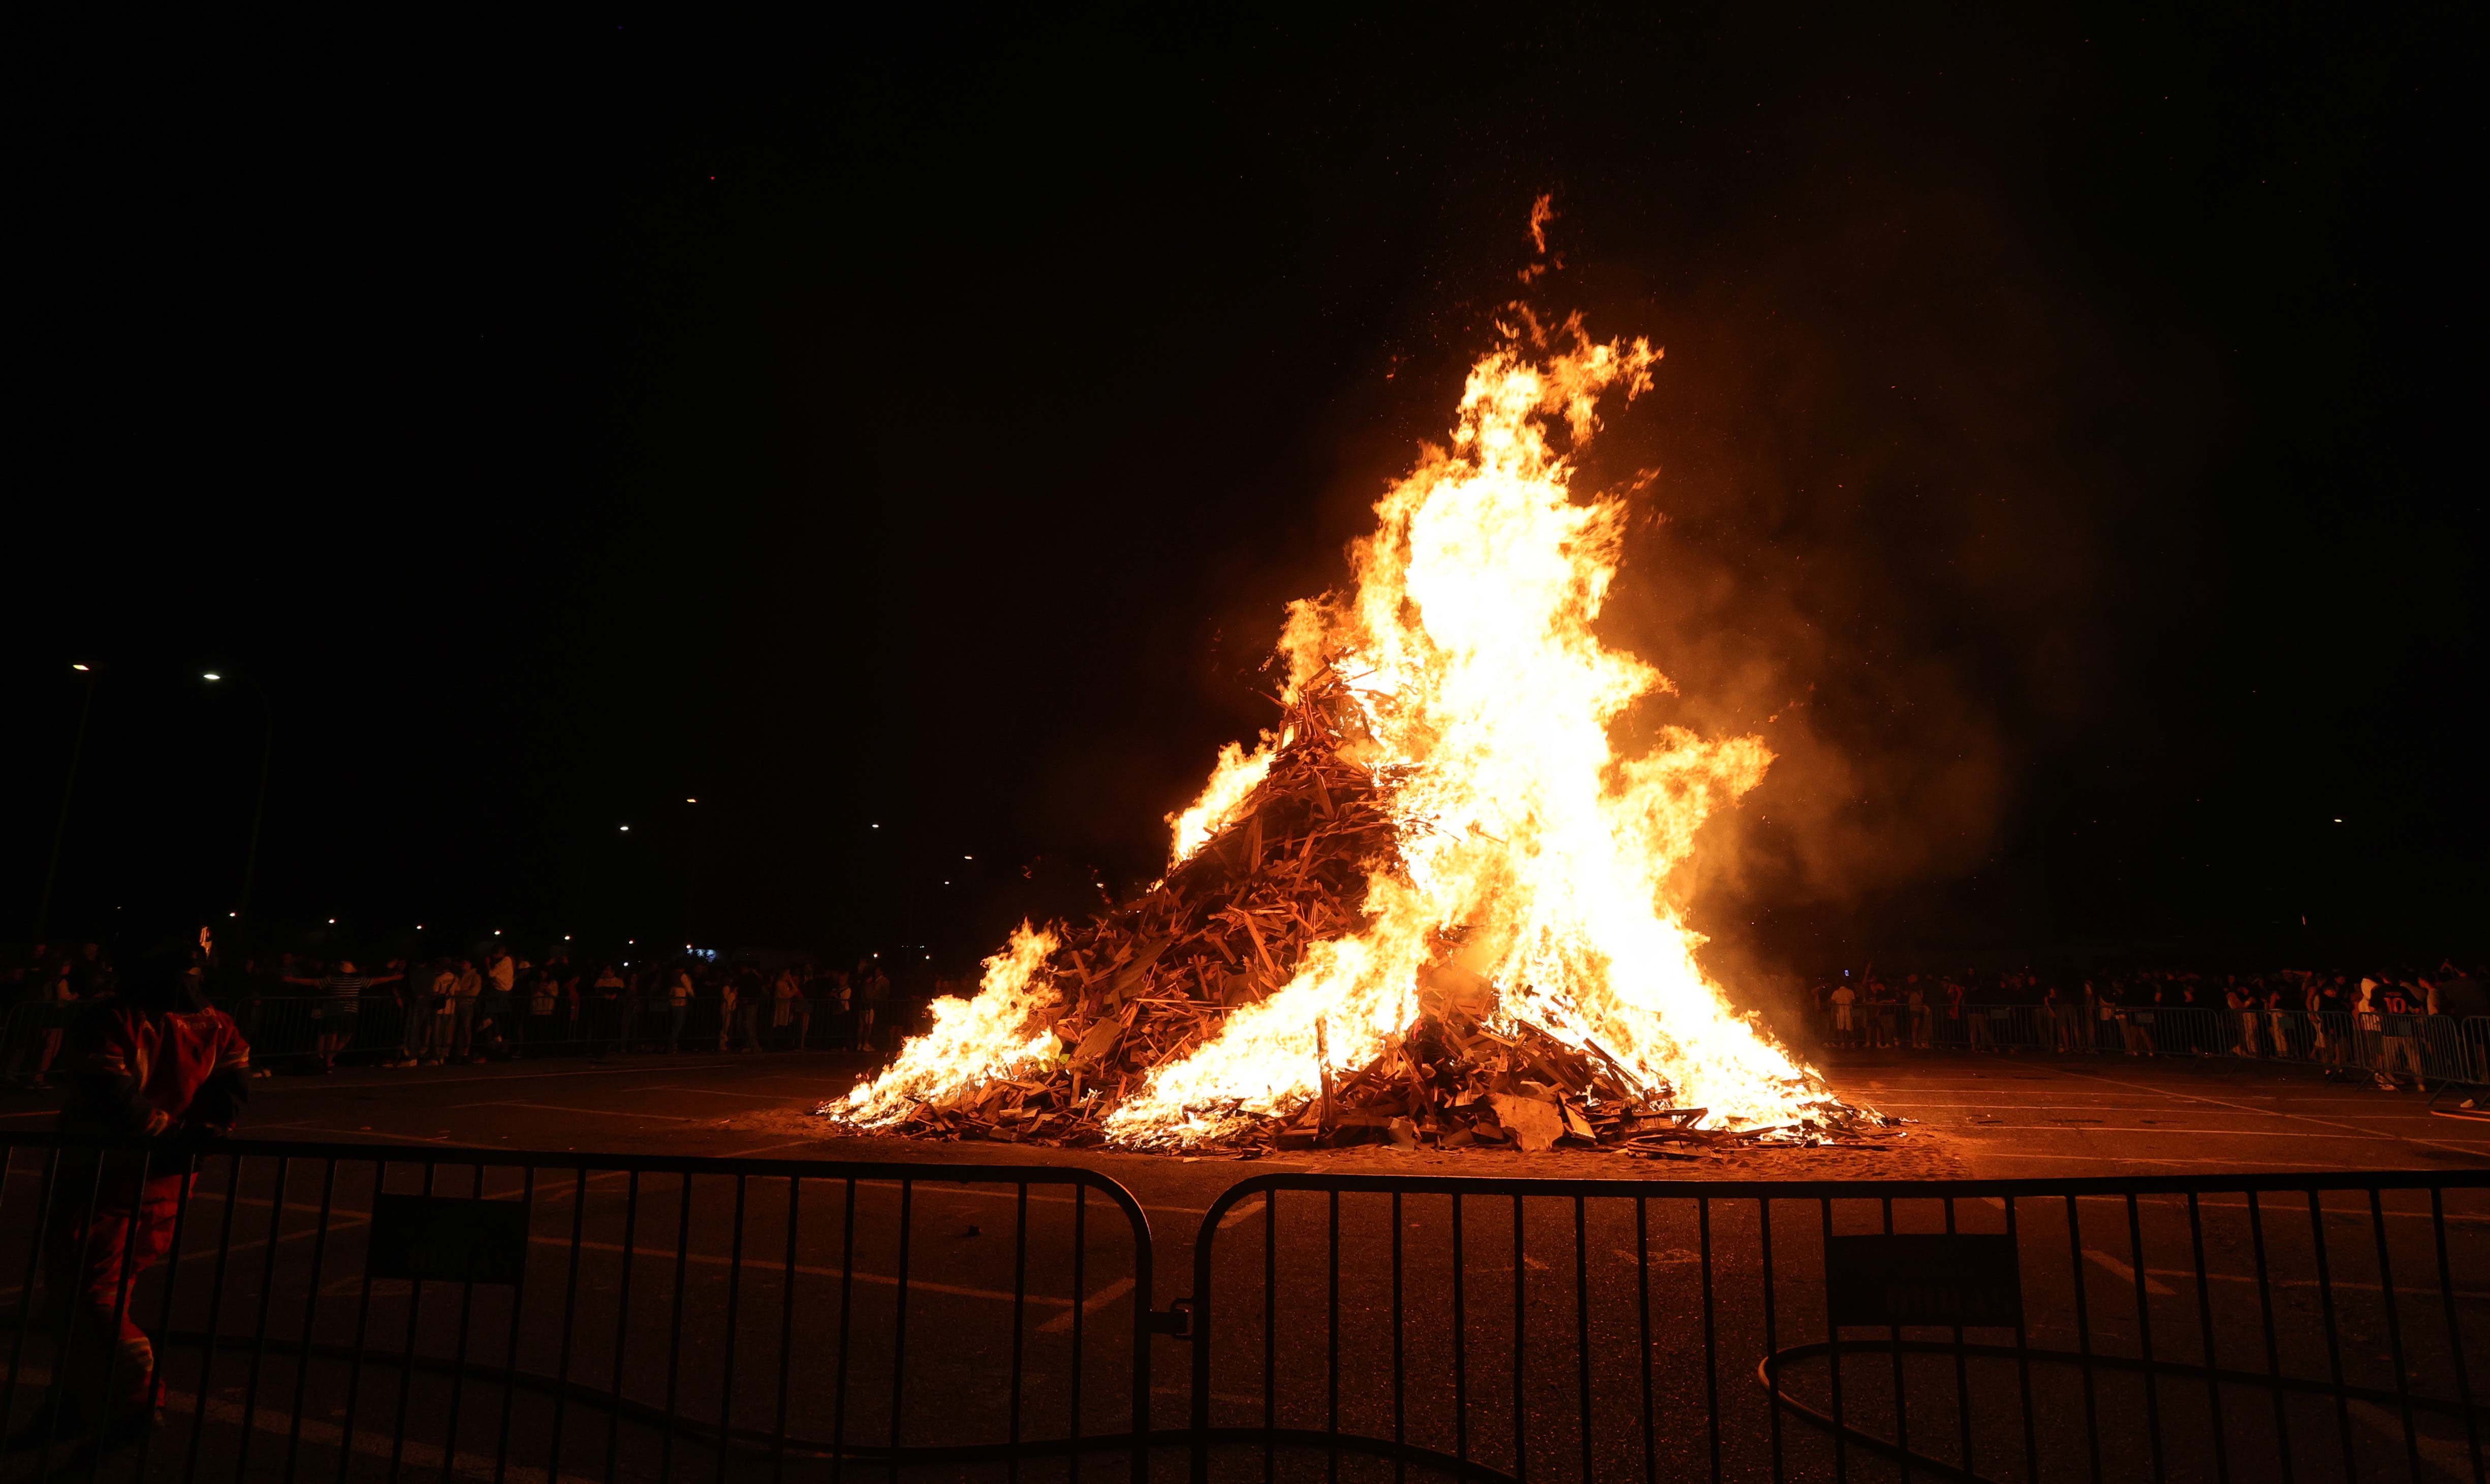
x: 152, y: 1063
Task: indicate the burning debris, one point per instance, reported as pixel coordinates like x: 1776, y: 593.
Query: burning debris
x: 1430, y: 909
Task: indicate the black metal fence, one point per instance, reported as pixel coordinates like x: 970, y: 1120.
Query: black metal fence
x: 2449, y: 1049
x: 359, y: 1313
x: 349, y: 1312
x: 2301, y: 1328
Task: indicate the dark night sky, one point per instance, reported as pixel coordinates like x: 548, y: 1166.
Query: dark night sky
x: 2059, y: 434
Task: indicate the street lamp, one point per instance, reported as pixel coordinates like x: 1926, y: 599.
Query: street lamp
x: 259, y: 805
x: 69, y: 791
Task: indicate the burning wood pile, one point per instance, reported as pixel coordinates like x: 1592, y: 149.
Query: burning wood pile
x: 1435, y: 909
x: 1150, y: 982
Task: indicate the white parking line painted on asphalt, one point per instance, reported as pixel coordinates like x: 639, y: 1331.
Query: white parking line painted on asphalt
x: 594, y: 1112
x: 2451, y: 1148
x: 1061, y: 1323
x: 2124, y: 1273
x: 269, y: 1417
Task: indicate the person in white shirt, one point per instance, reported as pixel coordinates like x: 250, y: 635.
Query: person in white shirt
x: 679, y: 1008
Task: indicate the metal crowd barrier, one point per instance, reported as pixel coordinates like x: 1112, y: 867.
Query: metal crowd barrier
x: 353, y: 1313
x: 350, y: 1312
x: 2297, y: 1328
x: 2452, y: 1049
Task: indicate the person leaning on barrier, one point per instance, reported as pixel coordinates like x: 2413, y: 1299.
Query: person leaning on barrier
x: 149, y: 1062
x: 2399, y: 1008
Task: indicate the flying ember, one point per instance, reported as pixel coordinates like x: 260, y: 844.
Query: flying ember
x: 1434, y: 905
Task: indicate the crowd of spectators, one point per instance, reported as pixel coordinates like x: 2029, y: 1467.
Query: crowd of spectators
x: 2374, y: 1023
x: 493, y: 1004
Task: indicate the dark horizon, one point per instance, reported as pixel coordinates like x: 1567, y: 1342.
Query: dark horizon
x: 904, y: 443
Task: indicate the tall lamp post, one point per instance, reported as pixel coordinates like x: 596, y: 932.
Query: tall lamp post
x: 259, y: 806
x: 68, y: 792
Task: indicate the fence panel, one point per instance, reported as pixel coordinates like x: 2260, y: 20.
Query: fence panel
x: 2305, y: 1329
x: 349, y: 1313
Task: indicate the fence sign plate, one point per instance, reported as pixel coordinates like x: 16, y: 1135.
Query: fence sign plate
x: 449, y: 1237
x: 1923, y: 1279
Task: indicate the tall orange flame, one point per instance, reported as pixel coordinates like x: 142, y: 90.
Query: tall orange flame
x: 1533, y: 856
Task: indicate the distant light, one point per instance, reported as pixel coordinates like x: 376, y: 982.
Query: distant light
x: 2338, y: 822
x: 496, y: 932
x: 566, y: 938
x: 626, y: 829
x: 212, y: 676
x: 691, y: 801
x: 419, y: 927
x: 333, y: 923
x: 877, y: 827
x: 967, y: 857
x: 81, y: 667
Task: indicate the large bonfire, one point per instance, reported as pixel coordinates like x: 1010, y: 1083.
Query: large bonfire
x: 1434, y: 905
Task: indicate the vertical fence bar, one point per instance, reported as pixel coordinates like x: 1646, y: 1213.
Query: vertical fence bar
x: 1399, y: 1361
x: 122, y: 1285
x: 1642, y: 1337
x: 2394, y: 1332
x: 899, y: 1327
x: 1460, y: 1344
x: 1961, y: 1376
x: 2272, y: 1339
x: 37, y: 1235
x: 311, y: 1312
x: 1833, y: 1351
x: 165, y: 1316
x: 1019, y: 1320
x: 1583, y: 1324
x: 57, y: 1398
x: 1893, y: 1337
x: 734, y: 1319
x: 406, y: 1365
x: 518, y: 1308
x: 2023, y: 1356
x: 1521, y: 1351
x: 621, y: 1323
x: 216, y: 1311
x: 675, y: 1338
x: 1331, y: 1340
x: 459, y: 1357
x: 2454, y: 1331
x: 1081, y: 1303
x: 569, y: 1317
x: 2333, y: 1335
x: 1270, y: 1328
x: 1771, y: 1330
x: 2084, y: 1335
x: 847, y: 1309
x: 362, y: 1331
x: 1710, y: 1344
x: 2144, y: 1334
x: 2205, y: 1334
x: 786, y: 1337
x: 259, y: 1325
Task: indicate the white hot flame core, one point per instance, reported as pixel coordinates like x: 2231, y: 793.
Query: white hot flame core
x: 972, y: 1040
x: 1233, y: 780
